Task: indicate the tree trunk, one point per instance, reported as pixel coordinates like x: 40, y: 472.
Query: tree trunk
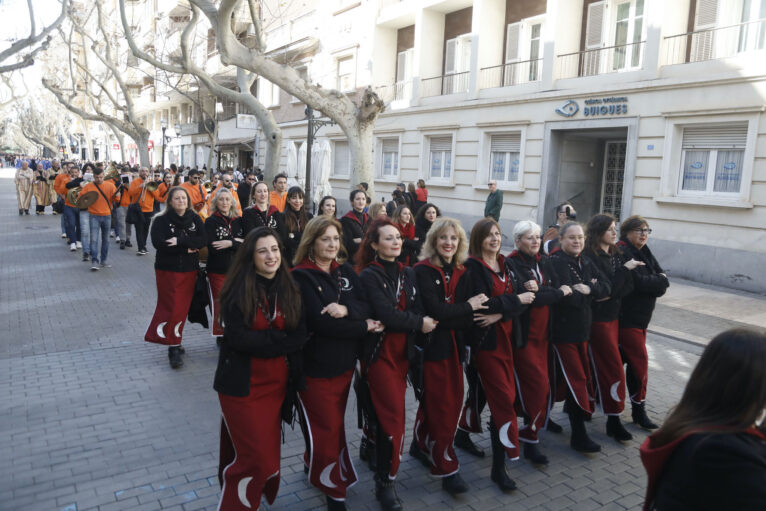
x: 143, y: 149
x: 88, y: 140
x: 273, y: 136
x: 360, y: 144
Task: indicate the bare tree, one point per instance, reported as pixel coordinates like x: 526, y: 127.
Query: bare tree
x: 107, y: 96
x: 25, y: 50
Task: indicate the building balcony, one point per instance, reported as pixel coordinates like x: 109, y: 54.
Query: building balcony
x: 399, y: 91
x: 444, y: 85
x: 714, y: 43
x: 513, y: 73
x: 611, y: 59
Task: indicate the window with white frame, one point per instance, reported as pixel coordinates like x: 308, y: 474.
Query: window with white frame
x: 440, y: 158
x: 523, y: 52
x: 303, y: 72
x: 341, y: 159
x: 615, y: 24
x: 457, y: 63
x: 268, y: 93
x: 345, y: 76
x: 712, y: 159
x: 504, y: 157
x: 389, y: 157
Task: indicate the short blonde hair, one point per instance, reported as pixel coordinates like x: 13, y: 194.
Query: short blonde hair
x: 233, y: 212
x: 441, y: 224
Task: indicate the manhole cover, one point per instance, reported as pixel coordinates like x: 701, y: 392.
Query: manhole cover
x: 37, y: 227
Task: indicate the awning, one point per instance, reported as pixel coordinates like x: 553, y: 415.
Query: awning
x: 245, y: 143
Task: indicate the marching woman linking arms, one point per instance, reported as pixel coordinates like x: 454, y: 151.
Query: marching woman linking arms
x: 296, y: 218
x: 649, y: 283
x: 531, y: 357
x: 263, y: 329
x: 391, y: 295
x: 444, y: 295
x: 224, y: 235
x: 338, y: 320
x: 601, y: 250
x: 177, y: 234
x: 403, y: 220
x: 355, y: 223
x: 261, y: 214
x: 491, y: 355
x: 571, y: 329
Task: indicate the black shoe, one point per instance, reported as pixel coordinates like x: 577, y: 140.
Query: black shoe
x: 463, y: 441
x: 128, y: 243
x: 499, y: 473
x: 181, y: 349
x: 26, y: 211
x: 122, y: 245
x: 580, y: 440
x: 553, y: 427
x: 335, y: 505
x: 174, y: 356
x: 640, y: 417
x: 385, y: 493
x: 615, y: 429
x: 419, y: 455
x: 21, y: 212
x: 454, y: 484
x: 85, y: 258
x: 533, y: 454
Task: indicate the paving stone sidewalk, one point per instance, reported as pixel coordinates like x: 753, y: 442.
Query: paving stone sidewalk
x: 93, y: 418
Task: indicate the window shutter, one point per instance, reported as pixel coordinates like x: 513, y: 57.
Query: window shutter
x: 726, y: 136
x: 464, y: 47
x: 512, y: 36
x: 506, y: 143
x: 441, y: 144
x: 341, y: 159
x: 706, y: 15
x: 449, y: 56
x: 401, y: 66
x: 594, y: 26
x: 390, y: 145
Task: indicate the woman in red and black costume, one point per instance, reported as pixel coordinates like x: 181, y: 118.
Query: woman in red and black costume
x: 649, y: 283
x: 390, y: 289
x: 257, y: 367
x: 355, y: 223
x: 177, y: 233
x: 571, y: 330
x: 601, y: 250
x: 532, y: 358
x: 490, y: 341
x: 444, y: 295
x: 337, y: 319
x: 224, y: 235
x: 261, y: 214
x: 404, y: 221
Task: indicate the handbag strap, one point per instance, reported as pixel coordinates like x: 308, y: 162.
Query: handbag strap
x: 108, y: 204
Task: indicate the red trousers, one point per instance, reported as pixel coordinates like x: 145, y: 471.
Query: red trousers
x: 323, y: 408
x: 530, y: 367
x: 254, y: 426
x: 387, y: 377
x: 607, y: 364
x: 439, y: 412
x: 633, y: 347
x: 215, y: 283
x: 575, y: 368
x: 174, y: 296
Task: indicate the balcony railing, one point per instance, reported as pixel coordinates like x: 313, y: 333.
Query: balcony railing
x: 612, y: 59
x: 443, y: 85
x: 714, y: 43
x: 395, y: 92
x: 514, y: 73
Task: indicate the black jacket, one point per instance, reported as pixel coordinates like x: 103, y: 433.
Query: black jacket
x: 243, y: 193
x: 648, y: 285
x: 241, y: 343
x: 380, y: 293
x: 334, y: 344
x: 572, y: 315
x: 190, y: 232
x: 353, y: 228
x: 253, y: 218
x: 481, y: 278
x: 711, y: 472
x: 218, y: 228
x: 540, y: 269
x: 454, y: 315
x: 620, y: 280
x: 422, y: 226
x: 293, y: 238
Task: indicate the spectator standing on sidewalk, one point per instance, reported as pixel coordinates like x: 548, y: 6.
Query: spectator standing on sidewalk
x: 494, y: 202
x: 100, y: 217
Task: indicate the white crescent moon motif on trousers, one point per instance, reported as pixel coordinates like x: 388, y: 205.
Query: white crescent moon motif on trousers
x: 242, y: 491
x: 324, y: 477
x: 446, y: 454
x: 613, y: 391
x: 160, y: 329
x: 504, y: 436
x: 342, y: 467
x: 468, y: 417
x: 178, y: 326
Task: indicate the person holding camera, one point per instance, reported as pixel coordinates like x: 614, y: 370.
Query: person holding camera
x: 121, y: 208
x: 564, y: 213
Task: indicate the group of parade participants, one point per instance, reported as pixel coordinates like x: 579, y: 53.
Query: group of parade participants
x: 304, y: 309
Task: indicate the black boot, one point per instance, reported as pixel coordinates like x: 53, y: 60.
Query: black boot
x: 640, y: 417
x: 499, y: 472
x: 463, y: 441
x: 533, y: 454
x: 454, y: 484
x: 580, y: 440
x: 174, y: 355
x: 385, y: 492
x: 335, y: 505
x: 21, y: 212
x: 26, y: 211
x: 615, y: 429
x: 419, y: 455
x: 553, y: 427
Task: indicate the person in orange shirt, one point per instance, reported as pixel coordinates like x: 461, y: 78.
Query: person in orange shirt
x: 71, y: 211
x: 59, y: 188
x: 100, y: 213
x: 145, y: 198
x: 278, y: 196
x: 121, y: 208
x: 197, y: 194
x: 161, y: 194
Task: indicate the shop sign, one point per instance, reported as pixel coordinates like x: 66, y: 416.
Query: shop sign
x: 595, y: 107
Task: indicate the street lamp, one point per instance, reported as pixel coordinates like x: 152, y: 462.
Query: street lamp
x: 164, y: 124
x: 313, y: 126
x: 177, y: 127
